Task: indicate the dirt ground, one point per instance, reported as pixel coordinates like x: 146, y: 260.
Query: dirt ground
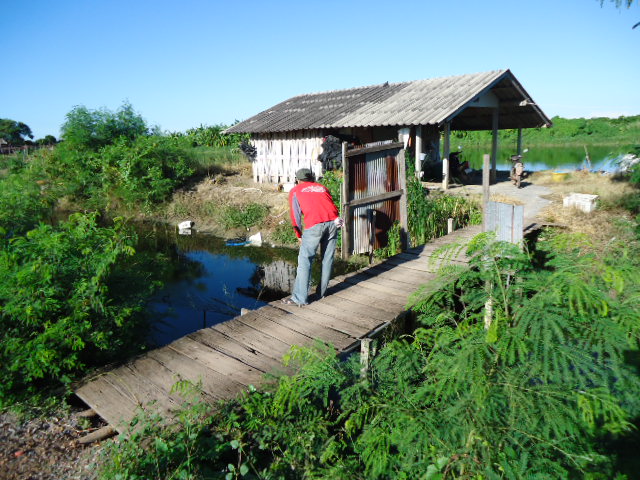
x: 47, y: 449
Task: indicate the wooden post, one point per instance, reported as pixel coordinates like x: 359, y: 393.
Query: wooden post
x: 494, y: 145
x: 365, y: 356
x: 402, y: 180
x: 519, y: 141
x: 485, y: 190
x: 445, y: 156
x: 418, y: 160
x: 449, y: 226
x: 346, y: 228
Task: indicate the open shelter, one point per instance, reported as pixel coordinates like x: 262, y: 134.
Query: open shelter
x: 420, y: 113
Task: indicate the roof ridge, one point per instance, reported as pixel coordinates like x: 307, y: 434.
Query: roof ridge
x: 396, y: 84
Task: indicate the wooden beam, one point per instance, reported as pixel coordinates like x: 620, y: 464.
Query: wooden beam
x: 485, y: 190
x: 346, y: 228
x: 375, y: 148
x: 375, y: 198
x: 445, y: 156
x: 402, y: 180
x: 418, y: 151
x: 494, y: 144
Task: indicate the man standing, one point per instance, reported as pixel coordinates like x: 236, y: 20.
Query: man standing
x: 312, y: 201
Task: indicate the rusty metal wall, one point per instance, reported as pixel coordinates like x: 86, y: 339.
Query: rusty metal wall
x: 372, y: 174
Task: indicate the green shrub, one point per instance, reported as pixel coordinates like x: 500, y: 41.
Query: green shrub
x: 24, y: 202
x: 244, y: 216
x: 427, y: 215
x: 65, y: 302
x: 284, y: 234
x: 86, y: 129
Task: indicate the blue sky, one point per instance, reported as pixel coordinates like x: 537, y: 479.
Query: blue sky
x: 191, y: 62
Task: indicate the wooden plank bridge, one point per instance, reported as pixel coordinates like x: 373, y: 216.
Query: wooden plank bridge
x: 228, y: 357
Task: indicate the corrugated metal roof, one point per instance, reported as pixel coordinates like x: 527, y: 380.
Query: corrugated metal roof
x: 421, y: 102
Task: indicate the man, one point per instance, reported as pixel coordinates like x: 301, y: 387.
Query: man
x: 312, y: 201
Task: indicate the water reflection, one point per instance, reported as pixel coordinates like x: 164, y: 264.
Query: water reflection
x: 603, y: 158
x: 210, y: 282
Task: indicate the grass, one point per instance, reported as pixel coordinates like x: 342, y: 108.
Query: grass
x: 611, y: 191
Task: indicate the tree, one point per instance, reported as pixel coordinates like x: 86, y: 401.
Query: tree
x: 14, y: 132
x: 93, y: 129
x: 47, y: 140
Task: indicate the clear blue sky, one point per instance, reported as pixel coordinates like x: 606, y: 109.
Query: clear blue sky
x: 185, y: 63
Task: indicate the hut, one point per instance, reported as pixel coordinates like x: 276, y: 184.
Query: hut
x: 420, y: 113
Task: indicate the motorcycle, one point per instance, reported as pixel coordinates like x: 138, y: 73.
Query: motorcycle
x: 517, y: 170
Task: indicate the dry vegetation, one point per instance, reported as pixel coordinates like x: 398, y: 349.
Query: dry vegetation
x: 598, y: 224
x: 205, y: 201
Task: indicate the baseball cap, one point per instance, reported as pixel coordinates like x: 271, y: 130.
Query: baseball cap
x: 304, y: 174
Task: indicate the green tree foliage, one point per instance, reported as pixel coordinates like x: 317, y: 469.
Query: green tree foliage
x: 14, y: 132
x: 66, y: 302
x: 212, y: 136
x: 87, y: 129
x: 47, y: 140
x: 109, y: 159
x: 564, y: 131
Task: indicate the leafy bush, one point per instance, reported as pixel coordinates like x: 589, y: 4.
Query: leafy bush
x: 243, y: 216
x: 427, y: 215
x: 144, y: 171
x: 25, y: 200
x: 284, y: 234
x: 87, y: 129
x: 65, y: 302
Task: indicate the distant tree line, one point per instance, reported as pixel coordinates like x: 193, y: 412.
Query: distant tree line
x: 599, y: 130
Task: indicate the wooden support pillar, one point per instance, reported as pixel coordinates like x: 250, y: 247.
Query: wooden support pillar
x: 494, y: 144
x: 346, y: 211
x: 404, y: 222
x: 519, y: 141
x: 485, y: 190
x: 445, y: 156
x: 365, y: 356
x: 418, y: 159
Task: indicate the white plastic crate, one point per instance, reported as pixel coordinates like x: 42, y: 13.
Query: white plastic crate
x: 581, y: 201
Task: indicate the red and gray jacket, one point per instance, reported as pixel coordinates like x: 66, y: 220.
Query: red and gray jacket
x: 313, y: 201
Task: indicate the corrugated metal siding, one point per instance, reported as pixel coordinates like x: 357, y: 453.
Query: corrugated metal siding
x: 372, y: 174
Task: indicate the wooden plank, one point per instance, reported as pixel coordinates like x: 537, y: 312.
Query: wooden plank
x: 144, y: 393
x: 229, y: 366
x: 327, y: 307
x: 373, y: 298
x: 400, y: 287
x: 338, y: 324
x: 399, y: 274
x: 213, y: 383
x: 375, y: 198
x: 232, y: 348
x: 376, y: 148
x: 265, y: 325
x: 357, y: 303
x: 164, y: 379
x: 114, y: 407
x: 400, y: 296
x: 268, y: 345
x: 349, y: 309
x: 310, y: 329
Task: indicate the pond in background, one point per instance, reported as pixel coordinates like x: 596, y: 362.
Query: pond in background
x: 603, y: 158
x: 211, y: 282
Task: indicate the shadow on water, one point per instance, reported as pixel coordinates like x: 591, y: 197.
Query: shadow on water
x: 210, y: 282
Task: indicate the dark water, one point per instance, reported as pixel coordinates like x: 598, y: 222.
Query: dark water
x: 552, y: 158
x: 211, y: 282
